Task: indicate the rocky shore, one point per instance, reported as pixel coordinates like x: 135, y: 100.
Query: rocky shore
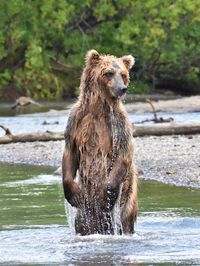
x: 169, y: 159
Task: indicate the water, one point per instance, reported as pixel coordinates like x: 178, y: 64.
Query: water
x: 24, y: 121
x: 34, y: 229
x: 31, y: 118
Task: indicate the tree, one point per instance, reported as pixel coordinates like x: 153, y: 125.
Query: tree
x: 43, y: 42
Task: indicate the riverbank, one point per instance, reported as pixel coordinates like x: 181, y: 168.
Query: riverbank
x: 169, y: 159
x: 180, y: 105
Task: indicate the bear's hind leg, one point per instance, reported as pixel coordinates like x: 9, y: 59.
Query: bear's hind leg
x: 129, y: 208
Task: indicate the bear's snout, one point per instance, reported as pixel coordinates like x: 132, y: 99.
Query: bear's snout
x: 122, y: 91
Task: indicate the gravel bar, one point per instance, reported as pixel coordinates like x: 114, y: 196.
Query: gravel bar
x: 169, y: 159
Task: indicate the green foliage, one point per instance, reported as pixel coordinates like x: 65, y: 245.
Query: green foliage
x: 138, y: 88
x: 43, y: 42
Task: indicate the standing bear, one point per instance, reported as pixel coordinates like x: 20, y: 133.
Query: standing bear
x: 98, y: 168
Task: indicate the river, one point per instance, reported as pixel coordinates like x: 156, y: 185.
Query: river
x: 35, y: 229
x: 28, y: 120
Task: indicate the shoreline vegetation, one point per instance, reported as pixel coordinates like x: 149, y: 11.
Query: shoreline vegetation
x: 43, y: 44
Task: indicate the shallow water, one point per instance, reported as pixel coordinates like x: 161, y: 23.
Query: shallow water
x: 34, y: 229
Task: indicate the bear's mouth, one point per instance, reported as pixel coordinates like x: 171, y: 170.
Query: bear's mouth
x: 117, y: 93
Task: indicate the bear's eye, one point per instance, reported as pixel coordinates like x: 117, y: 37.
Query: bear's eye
x: 123, y: 76
x: 109, y: 74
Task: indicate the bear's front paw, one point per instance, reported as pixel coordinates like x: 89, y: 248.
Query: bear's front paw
x: 76, y: 201
x: 109, y: 195
x: 73, y: 194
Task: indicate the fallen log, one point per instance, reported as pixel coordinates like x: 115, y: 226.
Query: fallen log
x: 30, y: 137
x: 139, y: 131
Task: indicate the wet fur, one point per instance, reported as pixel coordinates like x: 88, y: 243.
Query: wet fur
x: 95, y: 139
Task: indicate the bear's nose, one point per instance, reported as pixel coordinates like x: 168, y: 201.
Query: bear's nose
x: 123, y: 90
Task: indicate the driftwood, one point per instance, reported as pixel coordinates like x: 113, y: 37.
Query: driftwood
x: 45, y: 122
x: 6, y: 129
x: 30, y: 137
x: 155, y: 118
x: 139, y: 131
x: 24, y: 101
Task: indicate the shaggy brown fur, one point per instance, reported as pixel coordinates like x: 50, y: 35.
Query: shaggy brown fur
x: 99, y: 149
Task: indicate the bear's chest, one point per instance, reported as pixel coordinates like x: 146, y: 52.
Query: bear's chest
x: 94, y: 134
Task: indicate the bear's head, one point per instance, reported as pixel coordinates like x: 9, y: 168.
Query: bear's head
x: 107, y: 74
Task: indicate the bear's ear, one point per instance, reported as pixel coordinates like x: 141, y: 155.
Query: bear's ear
x: 128, y: 61
x: 92, y: 57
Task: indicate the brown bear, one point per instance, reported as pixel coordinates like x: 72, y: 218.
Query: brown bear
x: 98, y: 166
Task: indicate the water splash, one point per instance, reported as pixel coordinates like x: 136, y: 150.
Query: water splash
x: 118, y: 229
x: 114, y: 132
x: 106, y: 167
x: 70, y: 215
x: 116, y: 215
